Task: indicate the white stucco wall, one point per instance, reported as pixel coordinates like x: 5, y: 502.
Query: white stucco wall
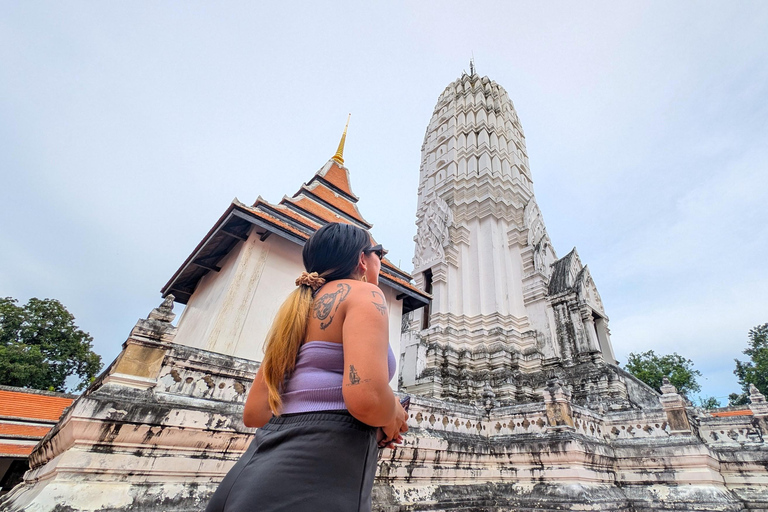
x: 232, y: 310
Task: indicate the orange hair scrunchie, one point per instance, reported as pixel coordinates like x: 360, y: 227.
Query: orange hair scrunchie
x: 311, y: 279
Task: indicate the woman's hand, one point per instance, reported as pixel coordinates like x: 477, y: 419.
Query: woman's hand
x: 392, y: 431
x: 256, y: 412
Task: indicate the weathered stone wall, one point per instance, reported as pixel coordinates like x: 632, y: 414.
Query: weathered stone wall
x: 157, y: 431
x: 514, y: 458
x: 165, y: 447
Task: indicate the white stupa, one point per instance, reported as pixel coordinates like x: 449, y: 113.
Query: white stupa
x: 503, y: 305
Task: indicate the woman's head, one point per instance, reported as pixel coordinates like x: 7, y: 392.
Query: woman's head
x: 334, y: 251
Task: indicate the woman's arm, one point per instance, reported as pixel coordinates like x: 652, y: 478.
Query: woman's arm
x: 257, y: 412
x: 366, y: 390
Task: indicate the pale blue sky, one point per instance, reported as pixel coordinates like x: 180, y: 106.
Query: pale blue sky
x: 127, y: 128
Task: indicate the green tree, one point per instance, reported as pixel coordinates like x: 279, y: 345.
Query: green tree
x: 40, y: 346
x: 709, y: 403
x: 651, y: 369
x: 754, y: 371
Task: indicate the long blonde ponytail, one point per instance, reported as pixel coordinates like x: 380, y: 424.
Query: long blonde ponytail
x: 283, y: 342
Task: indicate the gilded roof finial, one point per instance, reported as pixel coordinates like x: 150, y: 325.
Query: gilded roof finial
x: 339, y: 156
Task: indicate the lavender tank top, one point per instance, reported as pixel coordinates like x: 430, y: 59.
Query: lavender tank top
x: 315, y: 384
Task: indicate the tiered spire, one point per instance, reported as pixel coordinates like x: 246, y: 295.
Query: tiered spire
x: 483, y: 253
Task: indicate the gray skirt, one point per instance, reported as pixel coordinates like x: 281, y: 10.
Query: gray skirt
x: 315, y: 461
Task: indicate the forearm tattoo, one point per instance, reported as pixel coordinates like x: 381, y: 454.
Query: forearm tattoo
x: 382, y: 305
x: 354, y: 377
x: 327, y: 305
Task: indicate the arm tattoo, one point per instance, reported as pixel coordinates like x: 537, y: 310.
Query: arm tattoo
x: 354, y: 377
x: 381, y: 306
x: 327, y: 305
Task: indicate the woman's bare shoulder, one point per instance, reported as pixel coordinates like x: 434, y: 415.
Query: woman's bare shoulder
x: 367, y: 295
x: 346, y: 293
x: 360, y: 288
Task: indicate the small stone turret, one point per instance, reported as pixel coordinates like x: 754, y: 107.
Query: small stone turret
x: 674, y: 406
x: 138, y: 365
x: 757, y: 402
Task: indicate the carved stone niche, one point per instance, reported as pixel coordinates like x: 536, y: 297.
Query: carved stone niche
x: 557, y: 400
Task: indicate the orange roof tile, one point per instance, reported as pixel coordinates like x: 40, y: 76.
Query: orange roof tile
x: 339, y: 178
x: 32, y: 405
x: 723, y: 414
x: 274, y: 220
x: 16, y: 429
x: 295, y: 216
x: 312, y: 207
x: 334, y: 199
x: 404, y: 283
x: 386, y: 263
x: 16, y: 449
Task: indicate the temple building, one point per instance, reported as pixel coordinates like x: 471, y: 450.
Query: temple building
x: 517, y: 400
x: 26, y: 416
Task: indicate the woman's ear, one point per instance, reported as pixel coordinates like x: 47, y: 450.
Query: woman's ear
x: 362, y: 265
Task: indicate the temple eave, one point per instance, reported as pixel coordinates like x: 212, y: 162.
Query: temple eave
x: 235, y: 225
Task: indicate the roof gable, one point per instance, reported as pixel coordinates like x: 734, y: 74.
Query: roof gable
x: 325, y: 198
x: 336, y: 177
x: 565, y: 271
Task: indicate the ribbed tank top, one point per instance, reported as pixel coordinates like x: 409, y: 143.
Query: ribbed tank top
x: 315, y: 384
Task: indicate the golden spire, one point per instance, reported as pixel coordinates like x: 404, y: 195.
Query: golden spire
x: 339, y: 156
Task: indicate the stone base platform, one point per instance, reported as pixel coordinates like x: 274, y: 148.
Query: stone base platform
x: 162, y: 427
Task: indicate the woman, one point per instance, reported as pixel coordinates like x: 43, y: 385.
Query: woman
x: 322, y: 389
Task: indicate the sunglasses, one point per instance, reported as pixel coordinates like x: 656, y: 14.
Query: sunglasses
x: 378, y: 250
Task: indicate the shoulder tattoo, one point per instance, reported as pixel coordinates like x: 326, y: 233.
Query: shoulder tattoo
x: 328, y: 304
x: 380, y: 302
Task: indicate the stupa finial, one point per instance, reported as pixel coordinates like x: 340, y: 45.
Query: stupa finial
x: 339, y: 156
x: 472, y: 66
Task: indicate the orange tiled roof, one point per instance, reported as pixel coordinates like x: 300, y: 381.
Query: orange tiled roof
x: 21, y: 413
x: 30, y: 405
x: 284, y: 210
x: 399, y: 280
x: 18, y: 429
x: 22, y: 450
x: 335, y: 200
x: 274, y: 220
x: 338, y: 177
x: 312, y: 207
x: 723, y: 414
x: 327, y: 197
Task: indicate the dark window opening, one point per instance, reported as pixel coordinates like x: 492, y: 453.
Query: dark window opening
x: 427, y: 289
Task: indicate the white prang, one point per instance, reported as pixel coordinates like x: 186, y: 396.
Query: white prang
x: 482, y: 242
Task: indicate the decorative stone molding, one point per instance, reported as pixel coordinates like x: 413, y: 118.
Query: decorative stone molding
x: 459, y: 235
